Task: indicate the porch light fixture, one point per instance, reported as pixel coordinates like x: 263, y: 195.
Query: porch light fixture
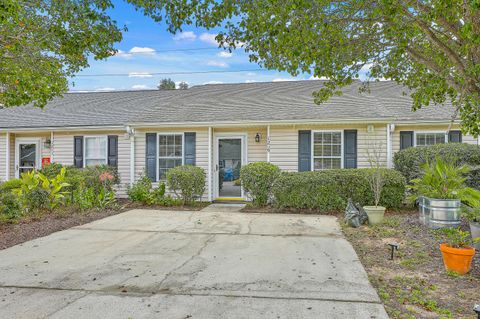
x: 47, y: 143
x: 257, y: 138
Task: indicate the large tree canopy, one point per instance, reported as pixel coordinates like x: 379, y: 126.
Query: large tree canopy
x: 43, y: 42
x: 433, y: 47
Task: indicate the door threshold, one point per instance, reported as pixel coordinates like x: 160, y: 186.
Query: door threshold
x: 230, y: 200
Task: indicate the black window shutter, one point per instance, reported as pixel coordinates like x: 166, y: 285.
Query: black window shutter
x: 350, y: 149
x: 113, y: 150
x: 406, y: 139
x: 304, y: 151
x: 455, y: 137
x: 151, y: 156
x: 189, y: 148
x: 78, y: 151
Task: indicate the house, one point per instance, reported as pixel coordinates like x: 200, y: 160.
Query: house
x: 220, y: 128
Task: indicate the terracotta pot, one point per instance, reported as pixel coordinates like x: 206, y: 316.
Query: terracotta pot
x: 375, y: 214
x: 458, y: 260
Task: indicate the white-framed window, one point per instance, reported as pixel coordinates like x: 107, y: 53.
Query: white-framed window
x: 170, y: 152
x: 96, y: 150
x: 327, y: 150
x: 430, y: 138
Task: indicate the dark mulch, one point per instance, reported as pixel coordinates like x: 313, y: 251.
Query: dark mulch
x: 47, y: 223
x: 415, y: 284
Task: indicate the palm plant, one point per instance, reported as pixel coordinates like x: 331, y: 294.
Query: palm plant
x: 444, y: 180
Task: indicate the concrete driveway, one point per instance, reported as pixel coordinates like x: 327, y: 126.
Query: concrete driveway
x: 178, y: 264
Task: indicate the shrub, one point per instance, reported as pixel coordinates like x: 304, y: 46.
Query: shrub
x: 330, y: 190
x: 9, y: 185
x: 257, y: 179
x: 37, y: 191
x: 10, y: 207
x: 186, y: 182
x: 410, y: 160
x: 142, y: 191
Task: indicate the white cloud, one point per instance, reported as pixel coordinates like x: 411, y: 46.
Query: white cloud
x: 251, y: 74
x: 213, y: 82
x: 187, y: 35
x: 105, y: 89
x: 225, y: 54
x: 140, y: 87
x: 139, y: 75
x: 250, y: 81
x: 144, y: 50
x: 123, y: 54
x: 283, y: 79
x: 208, y: 38
x: 219, y: 64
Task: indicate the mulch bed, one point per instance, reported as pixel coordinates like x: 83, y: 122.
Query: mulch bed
x: 415, y: 284
x: 47, y: 223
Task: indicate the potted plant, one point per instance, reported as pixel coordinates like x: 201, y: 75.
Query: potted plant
x: 376, y: 180
x: 440, y: 192
x: 457, y: 250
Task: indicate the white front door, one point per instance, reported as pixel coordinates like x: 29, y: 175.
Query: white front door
x: 230, y: 151
x: 27, y: 155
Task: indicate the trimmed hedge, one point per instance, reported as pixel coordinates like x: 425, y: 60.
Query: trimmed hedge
x: 330, y: 190
x: 409, y: 161
x: 186, y: 182
x: 257, y: 180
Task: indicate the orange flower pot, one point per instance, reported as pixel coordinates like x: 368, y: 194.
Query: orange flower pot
x: 458, y: 260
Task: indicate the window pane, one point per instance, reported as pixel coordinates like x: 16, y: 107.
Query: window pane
x: 95, y: 150
x: 440, y: 138
x: 336, y: 163
x: 337, y: 138
x: 327, y: 138
x: 178, y: 150
x: 420, y: 139
x: 178, y: 140
x: 317, y: 164
x: 430, y: 139
x: 94, y: 162
x: 317, y: 150
x: 336, y: 150
x: 327, y: 150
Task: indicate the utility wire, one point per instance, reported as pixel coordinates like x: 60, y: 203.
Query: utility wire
x: 169, y: 50
x: 145, y: 74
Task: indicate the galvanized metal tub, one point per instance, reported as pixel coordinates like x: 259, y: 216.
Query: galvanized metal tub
x: 439, y: 213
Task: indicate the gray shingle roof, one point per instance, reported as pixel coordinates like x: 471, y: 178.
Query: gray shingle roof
x: 248, y: 102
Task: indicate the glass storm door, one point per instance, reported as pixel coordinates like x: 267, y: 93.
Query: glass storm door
x: 229, y: 165
x: 27, y: 157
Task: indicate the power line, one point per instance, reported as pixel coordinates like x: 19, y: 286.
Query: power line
x: 169, y: 50
x: 147, y: 74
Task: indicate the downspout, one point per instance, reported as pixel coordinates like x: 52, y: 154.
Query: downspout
x: 7, y: 156
x: 131, y: 135
x: 268, y: 143
x: 52, y: 148
x: 390, y: 128
x: 209, y: 163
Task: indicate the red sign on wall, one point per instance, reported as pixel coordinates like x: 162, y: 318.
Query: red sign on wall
x: 45, y: 161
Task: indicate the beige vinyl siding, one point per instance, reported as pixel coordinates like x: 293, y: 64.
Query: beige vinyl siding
x: 284, y: 143
x: 201, y: 149
x: 469, y: 139
x: 3, y: 159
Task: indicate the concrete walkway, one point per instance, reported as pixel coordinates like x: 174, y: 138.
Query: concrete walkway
x: 178, y: 264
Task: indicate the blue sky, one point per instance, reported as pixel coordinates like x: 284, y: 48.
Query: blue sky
x: 142, y: 52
